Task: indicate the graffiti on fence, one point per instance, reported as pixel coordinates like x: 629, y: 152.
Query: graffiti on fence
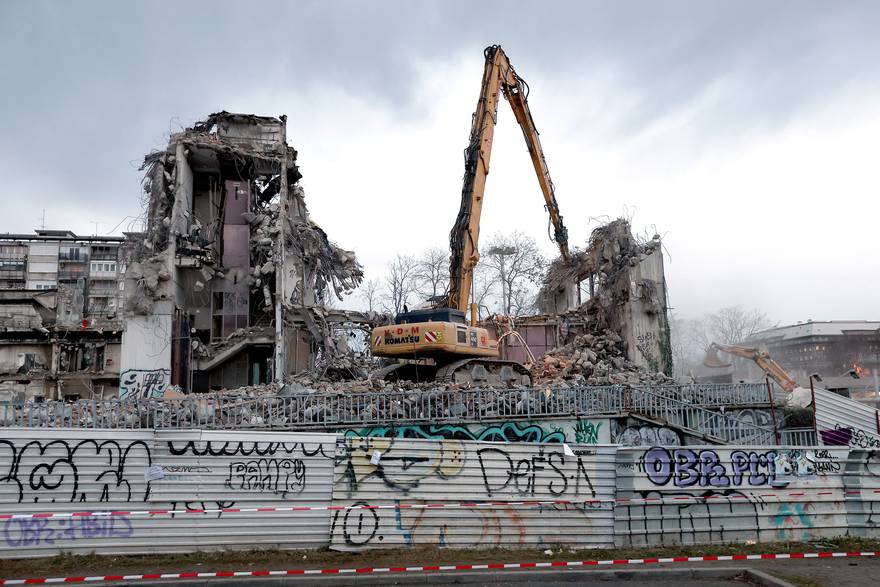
x: 398, y: 470
x: 538, y: 473
x: 90, y: 471
x: 580, y: 431
x: 684, y: 467
x: 386, y: 469
x: 849, y: 436
x: 284, y: 477
x: 647, y: 436
x: 201, y: 448
x: 725, y: 495
x: 18, y: 533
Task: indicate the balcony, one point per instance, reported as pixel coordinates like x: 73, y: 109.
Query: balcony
x: 72, y: 274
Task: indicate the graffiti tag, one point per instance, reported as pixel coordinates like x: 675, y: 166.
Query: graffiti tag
x: 688, y: 468
x: 143, y: 383
x: 281, y: 476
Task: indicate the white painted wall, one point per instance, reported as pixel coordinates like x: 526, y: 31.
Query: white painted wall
x: 145, y: 368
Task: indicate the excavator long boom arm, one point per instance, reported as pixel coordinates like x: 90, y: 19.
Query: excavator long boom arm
x: 761, y: 358
x: 499, y: 77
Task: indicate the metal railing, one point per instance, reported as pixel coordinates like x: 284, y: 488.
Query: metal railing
x: 661, y: 403
x: 304, y: 411
x: 717, y: 395
x: 798, y: 437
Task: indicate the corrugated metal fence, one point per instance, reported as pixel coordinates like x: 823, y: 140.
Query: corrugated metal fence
x: 841, y: 421
x: 318, y: 490
x: 701, y: 495
x: 449, y: 471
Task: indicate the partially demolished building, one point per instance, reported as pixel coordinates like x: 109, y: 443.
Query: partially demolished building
x: 604, y: 313
x: 229, y: 285
x: 60, y: 315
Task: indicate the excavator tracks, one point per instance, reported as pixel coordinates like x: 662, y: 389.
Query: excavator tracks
x: 489, y: 372
x: 475, y: 371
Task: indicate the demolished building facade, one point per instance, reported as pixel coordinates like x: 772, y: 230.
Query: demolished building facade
x: 60, y: 315
x: 604, y: 313
x: 228, y: 286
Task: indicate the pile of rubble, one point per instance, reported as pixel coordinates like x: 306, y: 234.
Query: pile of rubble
x: 294, y: 406
x: 592, y: 359
x: 612, y: 249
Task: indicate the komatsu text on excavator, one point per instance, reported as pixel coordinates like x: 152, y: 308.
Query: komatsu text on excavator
x: 439, y: 343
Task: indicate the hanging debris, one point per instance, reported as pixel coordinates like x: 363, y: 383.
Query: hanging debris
x: 232, y: 270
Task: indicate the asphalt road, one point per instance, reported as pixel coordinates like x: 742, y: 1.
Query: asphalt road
x: 708, y: 577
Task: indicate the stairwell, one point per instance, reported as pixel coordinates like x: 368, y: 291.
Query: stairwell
x: 713, y: 426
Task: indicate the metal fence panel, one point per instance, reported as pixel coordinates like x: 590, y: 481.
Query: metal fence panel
x: 842, y: 421
x: 388, y: 471
x: 72, y: 470
x: 216, y: 470
x: 862, y: 479
x: 712, y: 494
x: 77, y: 470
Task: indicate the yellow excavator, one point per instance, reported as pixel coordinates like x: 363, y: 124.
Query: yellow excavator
x: 438, y: 343
x: 761, y: 358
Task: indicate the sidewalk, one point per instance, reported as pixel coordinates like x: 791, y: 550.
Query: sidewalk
x: 839, y: 572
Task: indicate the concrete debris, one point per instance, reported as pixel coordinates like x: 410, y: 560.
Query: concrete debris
x: 145, y: 278
x: 611, y: 251
x: 305, y: 403
x: 613, y: 293
x: 593, y: 359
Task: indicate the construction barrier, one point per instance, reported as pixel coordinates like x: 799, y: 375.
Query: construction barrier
x: 425, y: 569
x: 141, y: 491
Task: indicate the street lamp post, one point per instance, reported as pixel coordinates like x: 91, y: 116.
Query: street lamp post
x: 502, y: 252
x: 816, y: 377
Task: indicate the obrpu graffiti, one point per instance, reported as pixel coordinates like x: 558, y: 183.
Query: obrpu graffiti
x: 686, y: 467
x: 697, y: 495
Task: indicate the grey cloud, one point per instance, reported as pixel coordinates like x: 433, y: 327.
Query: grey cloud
x: 88, y: 87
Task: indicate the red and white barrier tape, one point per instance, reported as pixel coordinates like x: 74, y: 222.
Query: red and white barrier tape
x: 527, y: 503
x: 434, y: 568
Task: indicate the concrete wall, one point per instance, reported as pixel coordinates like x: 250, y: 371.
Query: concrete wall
x: 644, y: 323
x: 145, y: 369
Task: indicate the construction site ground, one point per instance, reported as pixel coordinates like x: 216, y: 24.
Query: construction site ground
x: 840, y: 572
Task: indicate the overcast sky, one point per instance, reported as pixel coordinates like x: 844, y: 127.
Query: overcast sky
x: 746, y: 133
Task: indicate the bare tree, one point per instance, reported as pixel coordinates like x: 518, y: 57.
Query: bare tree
x: 370, y: 292
x: 484, y: 288
x: 516, y: 265
x: 729, y: 325
x: 688, y: 339
x: 736, y: 324
x: 399, y: 283
x: 432, y: 272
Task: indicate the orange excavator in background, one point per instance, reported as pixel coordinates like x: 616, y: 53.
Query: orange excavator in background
x: 438, y: 343
x: 761, y: 358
